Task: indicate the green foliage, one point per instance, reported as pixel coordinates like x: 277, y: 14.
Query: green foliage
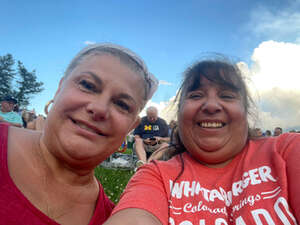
x: 128, y: 151
x: 26, y: 82
x: 6, y: 74
x: 113, y: 181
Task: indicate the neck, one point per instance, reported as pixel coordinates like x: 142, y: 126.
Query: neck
x: 55, y: 168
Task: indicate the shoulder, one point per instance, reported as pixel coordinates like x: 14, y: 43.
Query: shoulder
x: 288, y: 141
x: 279, y: 145
x: 144, y: 119
x: 162, y: 121
x: 26, y: 139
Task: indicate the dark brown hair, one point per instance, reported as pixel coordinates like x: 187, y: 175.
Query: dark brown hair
x: 219, y: 71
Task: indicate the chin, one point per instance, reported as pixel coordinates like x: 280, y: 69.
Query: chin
x: 82, y: 150
x: 211, y: 146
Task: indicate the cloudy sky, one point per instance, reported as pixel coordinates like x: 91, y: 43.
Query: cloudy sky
x: 264, y: 37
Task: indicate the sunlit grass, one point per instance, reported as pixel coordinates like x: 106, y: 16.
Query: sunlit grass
x: 113, y: 181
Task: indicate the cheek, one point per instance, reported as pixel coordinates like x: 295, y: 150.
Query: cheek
x: 185, y: 120
x: 122, y: 124
x: 68, y: 100
x: 239, y: 114
x: 186, y: 113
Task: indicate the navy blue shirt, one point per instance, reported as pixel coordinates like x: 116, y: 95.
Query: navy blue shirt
x: 147, y: 129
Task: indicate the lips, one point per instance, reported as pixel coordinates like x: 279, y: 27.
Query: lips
x: 88, y: 127
x: 211, y: 124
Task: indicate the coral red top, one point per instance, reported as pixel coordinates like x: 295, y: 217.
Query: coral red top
x: 261, y: 185
x: 16, y: 209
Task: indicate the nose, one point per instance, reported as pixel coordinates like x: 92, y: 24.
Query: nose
x: 211, y: 105
x: 99, y: 109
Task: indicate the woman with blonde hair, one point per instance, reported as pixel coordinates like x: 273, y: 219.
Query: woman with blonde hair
x: 48, y: 177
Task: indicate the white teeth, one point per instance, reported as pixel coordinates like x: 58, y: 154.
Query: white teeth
x: 85, y: 127
x: 211, y: 124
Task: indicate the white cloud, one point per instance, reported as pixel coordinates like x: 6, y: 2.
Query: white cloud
x: 89, y: 42
x: 163, y: 82
x: 274, y: 82
x: 280, y: 24
x: 276, y: 64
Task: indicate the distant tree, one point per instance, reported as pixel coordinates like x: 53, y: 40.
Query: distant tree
x: 19, y: 83
x: 7, y: 73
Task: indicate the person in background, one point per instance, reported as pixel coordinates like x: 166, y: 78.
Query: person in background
x: 277, y: 131
x: 151, y: 134
x: 219, y: 174
x: 172, y: 124
x: 163, y: 153
x: 38, y: 123
x: 258, y: 132
x: 7, y: 115
x: 268, y: 133
x: 28, y: 117
x: 33, y: 122
x: 48, y: 177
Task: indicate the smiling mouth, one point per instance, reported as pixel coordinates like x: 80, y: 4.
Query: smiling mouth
x: 85, y: 127
x: 211, y: 124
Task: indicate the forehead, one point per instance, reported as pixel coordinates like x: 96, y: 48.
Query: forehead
x: 111, y: 71
x: 205, y: 83
x: 151, y: 112
x: 219, y: 78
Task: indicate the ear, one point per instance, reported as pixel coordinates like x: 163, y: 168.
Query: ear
x: 136, y: 123
x: 59, y: 87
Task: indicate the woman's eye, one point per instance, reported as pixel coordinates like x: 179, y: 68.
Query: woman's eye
x: 195, y: 95
x: 123, y: 105
x: 228, y: 95
x: 87, y: 85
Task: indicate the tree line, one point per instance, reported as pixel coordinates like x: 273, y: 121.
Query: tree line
x: 17, y: 81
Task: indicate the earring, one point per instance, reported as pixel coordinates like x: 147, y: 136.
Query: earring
x: 47, y: 106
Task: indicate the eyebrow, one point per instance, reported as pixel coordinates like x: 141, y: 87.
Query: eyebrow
x: 126, y: 96
x: 95, y: 77
x: 99, y: 82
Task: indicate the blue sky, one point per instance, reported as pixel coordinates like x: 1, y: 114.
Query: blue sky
x: 168, y: 35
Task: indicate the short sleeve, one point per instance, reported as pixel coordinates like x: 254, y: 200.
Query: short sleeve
x: 289, y: 147
x: 15, y: 118
x: 18, y: 119
x: 137, y: 131
x: 146, y: 191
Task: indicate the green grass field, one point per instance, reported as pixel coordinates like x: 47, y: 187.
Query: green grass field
x: 113, y: 181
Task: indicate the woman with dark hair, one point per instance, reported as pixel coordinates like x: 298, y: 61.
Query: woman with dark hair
x: 48, y: 177
x: 219, y: 174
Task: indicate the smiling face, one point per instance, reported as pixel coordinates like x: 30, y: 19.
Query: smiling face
x: 212, y: 123
x: 93, y: 110
x: 7, y: 106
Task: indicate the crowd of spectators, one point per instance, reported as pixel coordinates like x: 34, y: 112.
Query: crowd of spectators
x: 10, y: 113
x: 257, y: 132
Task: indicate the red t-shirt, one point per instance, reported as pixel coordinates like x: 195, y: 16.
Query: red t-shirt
x: 16, y: 209
x: 261, y: 185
